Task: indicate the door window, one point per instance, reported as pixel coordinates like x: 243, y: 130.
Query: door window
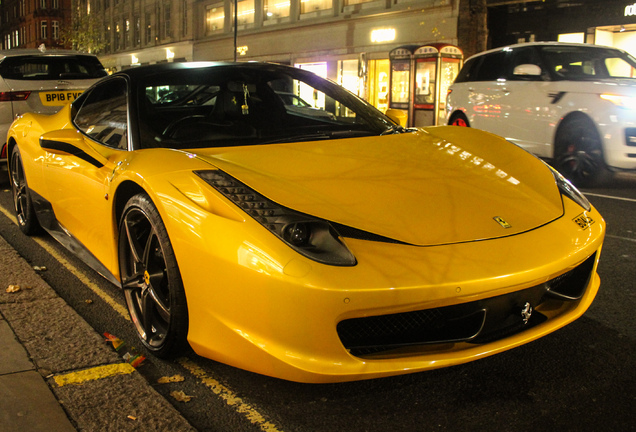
x: 103, y: 115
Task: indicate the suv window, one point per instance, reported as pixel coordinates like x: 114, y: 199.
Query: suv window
x: 488, y: 67
x: 523, y: 56
x: 53, y: 67
x: 103, y: 114
x: 585, y: 63
x: 493, y: 67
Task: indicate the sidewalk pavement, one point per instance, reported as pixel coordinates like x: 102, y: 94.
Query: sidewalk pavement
x: 58, y: 374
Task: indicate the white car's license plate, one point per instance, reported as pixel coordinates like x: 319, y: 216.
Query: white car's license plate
x: 57, y: 98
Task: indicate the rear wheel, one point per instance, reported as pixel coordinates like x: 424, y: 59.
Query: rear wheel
x: 151, y: 280
x: 22, y: 204
x: 459, y: 119
x: 579, y: 154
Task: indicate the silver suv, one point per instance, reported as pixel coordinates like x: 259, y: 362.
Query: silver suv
x: 574, y: 104
x: 41, y: 82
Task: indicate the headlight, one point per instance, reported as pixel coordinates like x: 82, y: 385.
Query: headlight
x: 312, y: 237
x: 570, y: 191
x: 621, y: 101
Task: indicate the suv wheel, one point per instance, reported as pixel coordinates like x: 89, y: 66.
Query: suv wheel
x: 578, y: 154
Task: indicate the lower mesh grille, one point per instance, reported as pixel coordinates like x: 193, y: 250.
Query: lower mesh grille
x: 478, y: 322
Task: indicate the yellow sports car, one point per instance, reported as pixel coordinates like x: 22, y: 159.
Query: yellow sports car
x: 318, y: 245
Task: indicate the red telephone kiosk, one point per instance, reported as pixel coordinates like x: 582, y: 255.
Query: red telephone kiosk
x: 420, y: 77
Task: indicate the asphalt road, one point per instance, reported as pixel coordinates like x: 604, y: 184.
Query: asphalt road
x: 580, y: 378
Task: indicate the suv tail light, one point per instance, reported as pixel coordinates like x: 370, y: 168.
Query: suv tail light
x: 14, y: 96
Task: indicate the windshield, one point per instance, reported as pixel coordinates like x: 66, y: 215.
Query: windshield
x: 246, y: 105
x: 579, y: 63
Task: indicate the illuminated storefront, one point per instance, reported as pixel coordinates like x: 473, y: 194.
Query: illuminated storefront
x: 610, y: 23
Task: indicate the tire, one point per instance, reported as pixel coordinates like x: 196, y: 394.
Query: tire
x: 578, y: 153
x: 459, y: 119
x: 151, y: 279
x: 22, y: 204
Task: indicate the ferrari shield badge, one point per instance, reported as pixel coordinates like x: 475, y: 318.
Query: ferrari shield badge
x: 502, y: 222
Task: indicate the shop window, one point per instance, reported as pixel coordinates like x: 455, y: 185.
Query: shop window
x: 245, y: 13
x: 309, y: 6
x: 275, y: 9
x: 215, y: 18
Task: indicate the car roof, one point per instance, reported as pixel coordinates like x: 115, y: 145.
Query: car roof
x: 140, y: 72
x: 35, y: 52
x: 543, y: 44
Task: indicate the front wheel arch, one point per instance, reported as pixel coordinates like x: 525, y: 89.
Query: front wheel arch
x: 458, y: 118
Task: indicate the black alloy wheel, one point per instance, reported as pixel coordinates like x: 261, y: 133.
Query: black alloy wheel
x: 579, y: 153
x: 22, y: 204
x: 151, y: 280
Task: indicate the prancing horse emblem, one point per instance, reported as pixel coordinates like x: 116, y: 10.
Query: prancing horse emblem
x: 526, y: 312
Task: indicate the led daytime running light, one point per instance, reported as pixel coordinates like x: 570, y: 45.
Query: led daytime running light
x: 568, y: 189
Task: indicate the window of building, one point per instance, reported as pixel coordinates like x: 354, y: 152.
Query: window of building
x: 117, y: 37
x: 55, y: 4
x: 137, y: 30
x: 148, y: 22
x: 43, y: 4
x: 44, y: 30
x: 126, y: 33
x: 274, y: 9
x: 245, y: 12
x: 308, y: 6
x: 55, y: 30
x: 167, y: 28
x: 214, y: 18
x: 184, y: 18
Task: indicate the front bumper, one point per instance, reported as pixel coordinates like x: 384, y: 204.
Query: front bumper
x: 278, y: 314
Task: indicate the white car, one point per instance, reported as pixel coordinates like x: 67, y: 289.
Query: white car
x: 572, y: 103
x: 41, y: 82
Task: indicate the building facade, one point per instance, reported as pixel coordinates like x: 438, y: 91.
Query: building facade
x: 31, y: 23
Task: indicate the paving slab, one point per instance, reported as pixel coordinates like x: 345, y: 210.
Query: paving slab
x: 29, y: 405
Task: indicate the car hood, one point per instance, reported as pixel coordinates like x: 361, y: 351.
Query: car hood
x: 436, y: 186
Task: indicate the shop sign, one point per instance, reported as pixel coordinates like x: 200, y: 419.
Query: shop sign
x: 630, y: 10
x: 383, y: 35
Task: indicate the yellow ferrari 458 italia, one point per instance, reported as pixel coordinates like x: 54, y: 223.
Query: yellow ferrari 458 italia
x: 318, y: 242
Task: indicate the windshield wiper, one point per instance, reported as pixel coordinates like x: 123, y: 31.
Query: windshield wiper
x: 396, y: 129
x: 319, y: 136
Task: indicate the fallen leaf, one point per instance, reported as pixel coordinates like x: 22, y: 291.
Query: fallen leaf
x: 180, y: 396
x: 39, y: 268
x: 89, y: 301
x: 132, y: 417
x: 175, y: 378
x: 13, y: 288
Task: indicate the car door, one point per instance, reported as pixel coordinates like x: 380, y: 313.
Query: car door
x: 486, y: 96
x: 79, y: 164
x: 526, y: 97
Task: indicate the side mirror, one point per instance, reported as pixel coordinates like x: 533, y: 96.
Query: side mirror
x: 69, y: 142
x: 398, y: 116
x: 527, y: 70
